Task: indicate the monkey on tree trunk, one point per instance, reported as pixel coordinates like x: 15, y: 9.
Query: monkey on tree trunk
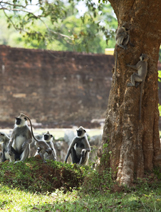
x: 137, y: 78
x: 122, y: 39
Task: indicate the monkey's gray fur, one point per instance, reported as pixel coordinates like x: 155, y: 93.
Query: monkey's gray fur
x: 137, y: 78
x: 33, y: 147
x: 122, y: 39
x: 79, y: 148
x: 49, y: 140
x: 20, y: 139
x: 5, y: 140
x: 42, y: 146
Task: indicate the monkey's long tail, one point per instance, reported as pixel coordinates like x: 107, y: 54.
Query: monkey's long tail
x: 141, y: 96
x: 52, y: 146
x: 31, y: 126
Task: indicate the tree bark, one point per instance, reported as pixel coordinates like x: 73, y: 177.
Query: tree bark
x: 130, y: 146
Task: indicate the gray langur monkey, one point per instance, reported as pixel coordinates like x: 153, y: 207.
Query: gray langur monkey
x: 5, y: 156
x: 41, y: 145
x: 79, y: 148
x: 33, y: 147
x: 122, y: 39
x: 137, y: 78
x: 49, y: 140
x: 20, y: 139
x: 61, y: 150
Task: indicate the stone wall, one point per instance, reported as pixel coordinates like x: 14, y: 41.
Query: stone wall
x: 54, y: 88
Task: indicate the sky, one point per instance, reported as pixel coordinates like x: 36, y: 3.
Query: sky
x: 81, y: 6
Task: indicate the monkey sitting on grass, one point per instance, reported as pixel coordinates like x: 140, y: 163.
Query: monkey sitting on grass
x: 79, y: 148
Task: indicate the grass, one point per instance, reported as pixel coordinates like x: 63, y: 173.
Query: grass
x: 18, y: 192
x: 143, y: 198
x: 36, y: 176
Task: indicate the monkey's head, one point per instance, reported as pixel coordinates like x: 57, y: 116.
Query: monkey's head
x: 126, y: 26
x: 81, y: 132
x: 20, y: 120
x: 144, y: 57
x: 2, y: 135
x: 47, y: 136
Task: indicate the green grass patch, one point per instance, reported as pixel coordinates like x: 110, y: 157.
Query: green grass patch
x: 55, y: 186
x: 141, y: 198
x: 35, y: 176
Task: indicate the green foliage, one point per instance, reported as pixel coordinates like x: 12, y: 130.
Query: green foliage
x: 20, y: 189
x: 157, y: 172
x: 159, y: 107
x: 97, y: 182
x: 144, y: 195
x: 36, y: 176
x: 159, y: 75
x: 159, y: 80
x: 160, y: 55
x: 58, y: 25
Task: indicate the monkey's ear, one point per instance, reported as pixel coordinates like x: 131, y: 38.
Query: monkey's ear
x: 51, y: 135
x: 85, y: 131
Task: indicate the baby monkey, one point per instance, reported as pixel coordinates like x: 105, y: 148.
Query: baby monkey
x: 42, y: 146
x: 137, y: 78
x: 49, y: 140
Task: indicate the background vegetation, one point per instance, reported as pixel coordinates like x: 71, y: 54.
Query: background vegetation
x: 76, y: 27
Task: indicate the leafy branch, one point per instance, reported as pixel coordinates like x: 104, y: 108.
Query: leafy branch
x: 52, y: 15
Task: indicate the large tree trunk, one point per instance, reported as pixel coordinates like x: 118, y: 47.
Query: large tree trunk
x: 131, y: 146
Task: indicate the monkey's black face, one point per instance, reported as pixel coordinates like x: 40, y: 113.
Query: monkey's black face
x: 1, y: 134
x: 79, y: 132
x: 18, y: 121
x: 46, y: 137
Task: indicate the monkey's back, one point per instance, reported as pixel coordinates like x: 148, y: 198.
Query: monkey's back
x: 120, y: 36
x: 142, y: 69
